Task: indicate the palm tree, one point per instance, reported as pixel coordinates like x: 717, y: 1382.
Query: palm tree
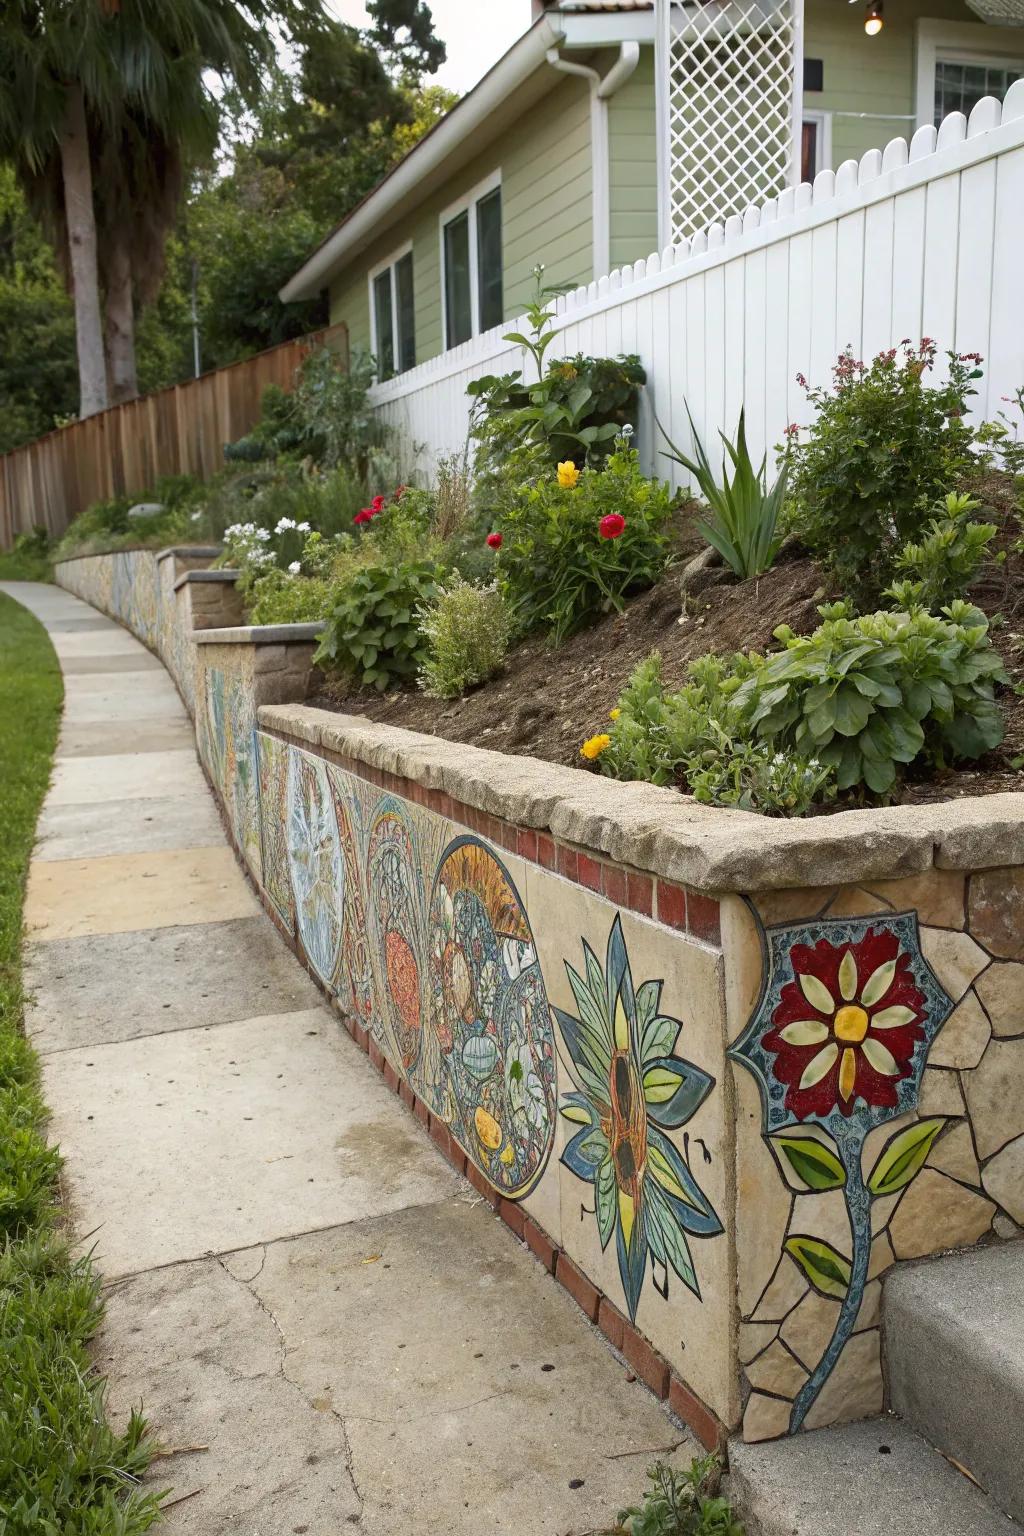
x: 101, y: 101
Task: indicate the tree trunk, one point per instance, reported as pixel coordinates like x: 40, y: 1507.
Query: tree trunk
x: 81, y: 222
x: 119, y: 319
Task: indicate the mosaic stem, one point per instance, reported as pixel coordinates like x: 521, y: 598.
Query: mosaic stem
x: 858, y: 1206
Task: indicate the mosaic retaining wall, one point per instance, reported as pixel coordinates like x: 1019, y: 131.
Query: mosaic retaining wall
x: 718, y: 1112
x: 139, y: 588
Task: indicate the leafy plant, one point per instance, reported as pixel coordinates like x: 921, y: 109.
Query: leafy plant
x: 755, y: 776
x: 571, y: 552
x: 882, y: 447
x: 574, y: 410
x: 682, y: 1503
x: 1003, y: 438
x: 465, y: 631
x: 870, y: 695
x: 373, y: 631
x: 743, y: 525
x: 702, y: 736
x: 945, y: 560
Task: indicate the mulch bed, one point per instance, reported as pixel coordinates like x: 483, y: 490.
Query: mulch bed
x: 547, y: 702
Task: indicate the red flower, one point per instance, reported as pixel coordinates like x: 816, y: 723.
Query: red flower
x: 612, y: 526
x: 495, y: 540
x: 364, y: 516
x: 846, y: 1028
x: 377, y: 504
x: 399, y: 492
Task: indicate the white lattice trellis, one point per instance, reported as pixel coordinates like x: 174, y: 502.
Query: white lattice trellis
x: 728, y: 82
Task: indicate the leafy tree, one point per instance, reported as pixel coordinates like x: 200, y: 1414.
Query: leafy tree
x: 37, y: 359
x: 405, y: 30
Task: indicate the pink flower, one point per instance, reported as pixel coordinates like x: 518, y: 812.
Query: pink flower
x: 495, y: 540
x: 612, y: 526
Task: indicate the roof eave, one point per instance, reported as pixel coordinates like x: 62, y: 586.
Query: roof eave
x: 515, y: 67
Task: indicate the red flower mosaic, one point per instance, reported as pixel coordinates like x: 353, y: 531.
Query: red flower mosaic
x: 846, y: 1028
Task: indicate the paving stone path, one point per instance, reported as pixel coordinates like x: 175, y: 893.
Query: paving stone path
x: 296, y: 1282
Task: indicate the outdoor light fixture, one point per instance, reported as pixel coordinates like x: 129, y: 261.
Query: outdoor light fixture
x: 873, y: 21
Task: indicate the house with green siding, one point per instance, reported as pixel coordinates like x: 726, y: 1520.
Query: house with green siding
x: 563, y: 153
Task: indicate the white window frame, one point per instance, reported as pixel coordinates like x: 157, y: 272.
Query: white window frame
x: 375, y: 272
x: 823, y: 121
x: 468, y: 201
x: 959, y: 42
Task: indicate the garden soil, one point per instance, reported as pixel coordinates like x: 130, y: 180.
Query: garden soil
x: 547, y: 701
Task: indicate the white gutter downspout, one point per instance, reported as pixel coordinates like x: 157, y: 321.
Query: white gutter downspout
x: 601, y: 91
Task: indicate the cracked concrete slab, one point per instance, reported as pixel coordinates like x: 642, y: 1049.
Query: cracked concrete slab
x: 127, y: 892
x: 209, y: 1139
x: 89, y: 831
x: 134, y: 775
x: 467, y: 1393
x: 106, y: 988
x: 205, y: 1360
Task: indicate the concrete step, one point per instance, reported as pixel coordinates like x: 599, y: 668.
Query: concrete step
x: 870, y: 1479
x: 953, y: 1334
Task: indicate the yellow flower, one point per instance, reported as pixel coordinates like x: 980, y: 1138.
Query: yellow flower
x: 594, y: 747
x: 613, y: 714
x: 568, y: 475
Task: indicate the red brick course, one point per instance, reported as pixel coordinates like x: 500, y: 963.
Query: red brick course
x: 651, y: 1367
x: 586, y: 1295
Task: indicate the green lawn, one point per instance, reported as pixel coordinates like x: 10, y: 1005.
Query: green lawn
x: 62, y: 1471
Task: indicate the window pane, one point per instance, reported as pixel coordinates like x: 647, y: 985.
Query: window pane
x: 406, y: 314
x: 960, y: 86
x: 456, y: 281
x: 489, y: 259
x: 384, y: 323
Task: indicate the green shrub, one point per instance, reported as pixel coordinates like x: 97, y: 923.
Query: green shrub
x: 870, y: 695
x: 883, y: 446
x: 1002, y: 440
x: 372, y: 631
x: 571, y: 552
x: 465, y: 632
x: 744, y: 512
x: 285, y: 597
x: 327, y: 418
x: 945, y: 560
x: 28, y: 559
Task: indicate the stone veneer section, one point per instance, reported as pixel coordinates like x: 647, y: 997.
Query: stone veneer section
x: 394, y: 863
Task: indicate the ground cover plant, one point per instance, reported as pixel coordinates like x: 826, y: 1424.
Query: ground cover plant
x: 62, y: 1470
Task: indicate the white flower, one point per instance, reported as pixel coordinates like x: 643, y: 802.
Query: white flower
x: 294, y: 568
x: 284, y: 524
x: 627, y: 430
x: 196, y: 516
x: 263, y: 534
x: 301, y: 527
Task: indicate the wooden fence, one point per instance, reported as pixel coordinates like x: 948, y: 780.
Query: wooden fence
x: 925, y: 239
x: 124, y: 450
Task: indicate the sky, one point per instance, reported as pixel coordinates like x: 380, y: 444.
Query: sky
x: 474, y: 44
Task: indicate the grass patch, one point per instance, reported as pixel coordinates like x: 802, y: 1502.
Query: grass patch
x: 63, y: 1472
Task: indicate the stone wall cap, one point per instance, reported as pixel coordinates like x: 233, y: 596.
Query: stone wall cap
x: 259, y: 634
x: 223, y: 575
x: 668, y: 833
x: 196, y: 551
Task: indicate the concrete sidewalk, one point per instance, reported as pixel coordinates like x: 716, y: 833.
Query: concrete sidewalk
x: 327, y: 1328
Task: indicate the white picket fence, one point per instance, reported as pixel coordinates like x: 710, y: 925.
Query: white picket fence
x: 918, y: 240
